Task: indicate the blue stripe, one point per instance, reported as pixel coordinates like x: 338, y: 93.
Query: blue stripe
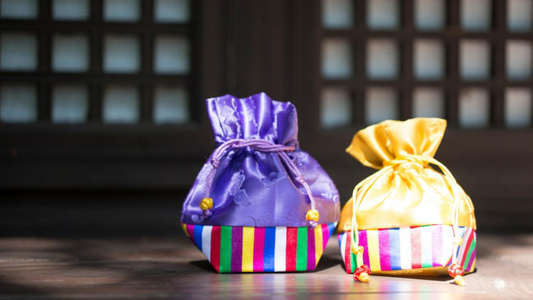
x: 340, y: 241
x: 331, y: 227
x: 395, y: 249
x: 270, y: 248
x: 198, y: 236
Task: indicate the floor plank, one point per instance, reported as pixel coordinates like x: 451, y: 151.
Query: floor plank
x: 93, y: 246
x: 171, y: 268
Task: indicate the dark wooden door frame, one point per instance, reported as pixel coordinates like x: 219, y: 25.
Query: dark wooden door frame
x: 245, y: 47
x: 144, y: 156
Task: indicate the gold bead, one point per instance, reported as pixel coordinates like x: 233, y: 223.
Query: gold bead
x: 206, y: 203
x: 312, y: 215
x: 363, y: 277
x: 358, y: 250
x: 459, y: 280
x: 458, y: 240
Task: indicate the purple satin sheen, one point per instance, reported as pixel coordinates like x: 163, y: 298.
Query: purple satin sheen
x: 253, y: 187
x: 263, y: 146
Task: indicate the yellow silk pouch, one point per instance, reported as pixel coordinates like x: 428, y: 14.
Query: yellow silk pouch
x: 410, y: 217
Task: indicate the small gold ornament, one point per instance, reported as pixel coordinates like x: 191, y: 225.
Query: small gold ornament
x: 363, y: 277
x: 207, y: 203
x: 357, y: 250
x: 312, y: 215
x: 459, y: 280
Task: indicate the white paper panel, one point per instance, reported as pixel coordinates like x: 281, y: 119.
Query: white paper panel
x: 18, y: 52
x: 19, y: 9
x: 121, y: 104
x: 70, y: 53
x: 336, y: 59
x: 335, y: 108
x: 171, y: 55
x: 381, y: 104
x: 517, y: 108
x: 383, y: 14
x: 519, y: 15
x: 429, y: 59
x: 474, y: 108
x: 69, y: 104
x: 171, y: 105
x: 474, y: 60
x: 73, y: 10
x: 382, y: 59
x: 476, y: 15
x: 121, y: 54
x: 172, y: 11
x: 122, y: 10
x: 18, y: 103
x: 519, y: 60
x: 430, y: 14
x: 428, y: 103
x: 337, y: 14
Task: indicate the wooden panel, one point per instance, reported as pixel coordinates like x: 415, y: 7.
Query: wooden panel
x: 246, y: 47
x: 258, y: 42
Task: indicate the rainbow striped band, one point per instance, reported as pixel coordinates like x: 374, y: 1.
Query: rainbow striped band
x: 409, y: 248
x: 260, y: 249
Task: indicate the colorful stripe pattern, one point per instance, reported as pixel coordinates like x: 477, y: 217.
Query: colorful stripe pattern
x: 409, y: 248
x: 260, y: 249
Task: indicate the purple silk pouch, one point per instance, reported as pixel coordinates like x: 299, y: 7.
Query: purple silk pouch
x: 260, y: 203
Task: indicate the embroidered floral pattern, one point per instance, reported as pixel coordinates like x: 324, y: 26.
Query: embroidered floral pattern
x: 273, y: 178
x: 242, y: 198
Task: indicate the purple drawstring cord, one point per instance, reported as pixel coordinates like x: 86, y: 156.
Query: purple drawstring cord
x: 259, y: 145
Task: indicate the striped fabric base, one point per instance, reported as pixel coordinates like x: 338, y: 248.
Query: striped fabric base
x: 410, y: 248
x: 260, y: 249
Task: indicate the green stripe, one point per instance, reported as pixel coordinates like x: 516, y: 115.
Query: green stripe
x: 353, y: 261
x: 225, y: 249
x: 472, y: 247
x: 301, y: 249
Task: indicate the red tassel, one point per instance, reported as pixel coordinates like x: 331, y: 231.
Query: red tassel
x: 362, y: 274
x: 456, y: 272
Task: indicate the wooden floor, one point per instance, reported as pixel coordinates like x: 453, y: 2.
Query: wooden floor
x: 114, y: 260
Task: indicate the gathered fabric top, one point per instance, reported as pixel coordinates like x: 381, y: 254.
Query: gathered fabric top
x: 254, y: 117
x: 378, y: 144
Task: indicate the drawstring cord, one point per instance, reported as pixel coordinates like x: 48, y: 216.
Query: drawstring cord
x: 363, y: 271
x: 206, y: 204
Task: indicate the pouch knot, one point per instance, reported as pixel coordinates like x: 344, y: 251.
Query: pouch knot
x: 391, y: 142
x: 418, y: 159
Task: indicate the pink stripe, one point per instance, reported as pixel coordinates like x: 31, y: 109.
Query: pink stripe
x: 325, y: 235
x: 190, y: 231
x: 311, y: 253
x: 436, y: 245
x: 416, y: 248
x: 471, y: 262
x: 259, y: 249
x: 363, y: 242
x: 384, y: 249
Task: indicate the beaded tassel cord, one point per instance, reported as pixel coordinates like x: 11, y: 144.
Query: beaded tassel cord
x: 362, y: 272
x: 206, y: 204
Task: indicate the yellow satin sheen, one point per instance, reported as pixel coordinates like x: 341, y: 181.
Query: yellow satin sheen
x: 408, y: 193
